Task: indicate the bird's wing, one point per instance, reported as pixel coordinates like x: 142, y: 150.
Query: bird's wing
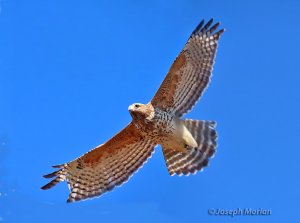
x: 190, y: 73
x: 105, y: 167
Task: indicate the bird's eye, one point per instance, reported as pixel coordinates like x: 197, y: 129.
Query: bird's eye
x: 136, y: 106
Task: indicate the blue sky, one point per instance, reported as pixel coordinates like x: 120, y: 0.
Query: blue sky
x: 69, y: 70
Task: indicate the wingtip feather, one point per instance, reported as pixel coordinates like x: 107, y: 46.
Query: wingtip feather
x: 208, y: 24
x: 198, y: 28
x: 207, y: 28
x: 51, y: 175
x: 59, y: 166
x: 51, y: 184
x: 219, y: 33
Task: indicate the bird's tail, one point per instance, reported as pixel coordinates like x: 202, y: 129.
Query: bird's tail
x: 195, y: 159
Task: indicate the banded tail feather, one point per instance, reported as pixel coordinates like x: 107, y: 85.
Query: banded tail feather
x: 196, y: 158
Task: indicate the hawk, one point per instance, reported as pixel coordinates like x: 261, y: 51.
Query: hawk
x: 187, y: 144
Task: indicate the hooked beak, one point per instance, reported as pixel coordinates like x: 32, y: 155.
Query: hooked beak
x: 131, y: 108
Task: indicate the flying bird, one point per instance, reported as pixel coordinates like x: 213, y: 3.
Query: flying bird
x: 187, y: 144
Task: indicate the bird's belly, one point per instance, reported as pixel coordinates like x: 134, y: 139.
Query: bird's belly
x: 165, y: 134
x: 164, y: 129
x: 172, y: 134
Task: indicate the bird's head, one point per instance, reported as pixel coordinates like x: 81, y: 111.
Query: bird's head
x: 138, y: 111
